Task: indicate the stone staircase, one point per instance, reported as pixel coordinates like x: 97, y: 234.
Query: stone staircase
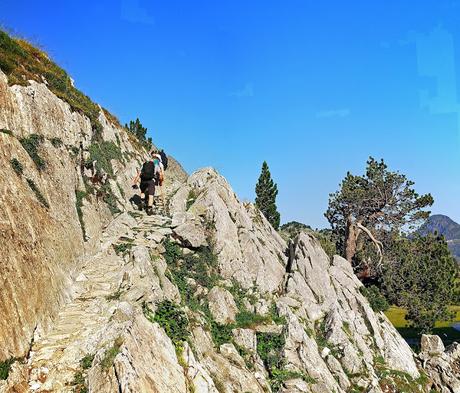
x: 79, y: 327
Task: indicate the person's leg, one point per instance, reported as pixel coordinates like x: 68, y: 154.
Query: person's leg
x: 143, y: 188
x: 151, y: 193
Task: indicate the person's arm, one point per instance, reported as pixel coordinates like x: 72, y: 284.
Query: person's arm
x: 136, y: 178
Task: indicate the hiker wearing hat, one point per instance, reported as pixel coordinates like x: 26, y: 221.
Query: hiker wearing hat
x: 149, y: 175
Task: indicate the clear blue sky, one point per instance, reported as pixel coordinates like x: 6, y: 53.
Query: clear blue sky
x: 312, y: 87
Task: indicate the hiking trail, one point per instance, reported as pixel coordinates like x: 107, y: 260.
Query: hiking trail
x: 78, y: 329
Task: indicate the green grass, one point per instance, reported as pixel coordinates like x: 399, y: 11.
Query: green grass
x: 111, y: 353
x: 21, y: 62
x: 103, y: 152
x: 80, y: 195
x: 38, y: 193
x: 17, y: 166
x: 31, y: 145
x: 4, y: 130
x: 443, y: 329
x: 5, y: 368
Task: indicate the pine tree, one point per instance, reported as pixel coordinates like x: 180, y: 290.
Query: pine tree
x: 266, y: 192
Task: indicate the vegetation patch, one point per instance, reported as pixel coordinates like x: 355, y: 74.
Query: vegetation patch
x: 123, y: 248
x: 111, y: 353
x: 191, y: 198
x: 115, y: 296
x: 102, y: 152
x: 31, y: 145
x: 38, y: 193
x: 375, y: 298
x: 17, y: 166
x: 87, y: 361
x: 172, y: 319
x: 79, y: 382
x: 5, y: 368
x: 80, y: 195
x: 398, y: 381
x: 21, y: 62
x: 56, y: 142
x: 270, y: 349
x: 4, y: 130
x: 109, y: 198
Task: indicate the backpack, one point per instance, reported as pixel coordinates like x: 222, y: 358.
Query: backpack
x: 148, y: 170
x: 164, y: 159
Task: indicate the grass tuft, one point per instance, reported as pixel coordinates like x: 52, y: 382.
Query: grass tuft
x: 38, y: 193
x: 17, y: 166
x: 31, y: 145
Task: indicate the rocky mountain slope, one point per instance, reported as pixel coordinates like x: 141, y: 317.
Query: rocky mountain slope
x: 204, y: 296
x: 444, y: 226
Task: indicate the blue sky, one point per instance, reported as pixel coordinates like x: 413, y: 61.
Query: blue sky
x: 312, y: 87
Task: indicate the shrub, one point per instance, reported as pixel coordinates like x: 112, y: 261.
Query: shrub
x: 269, y: 348
x: 37, y: 193
x: 31, y: 145
x: 3, y: 130
x: 17, y: 166
x: 56, y: 142
x: 111, y: 353
x: 375, y: 297
x: 172, y: 319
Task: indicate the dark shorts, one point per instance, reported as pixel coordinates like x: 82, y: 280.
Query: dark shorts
x: 149, y: 186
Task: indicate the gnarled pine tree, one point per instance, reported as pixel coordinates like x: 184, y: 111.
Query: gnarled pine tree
x: 266, y: 192
x: 375, y: 205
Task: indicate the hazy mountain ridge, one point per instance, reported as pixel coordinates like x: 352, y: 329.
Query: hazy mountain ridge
x: 445, y: 226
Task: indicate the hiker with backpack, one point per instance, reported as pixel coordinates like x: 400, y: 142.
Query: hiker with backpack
x: 149, y: 176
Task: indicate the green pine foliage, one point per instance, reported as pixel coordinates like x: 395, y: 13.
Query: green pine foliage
x: 139, y: 131
x: 266, y: 192
x: 423, y: 278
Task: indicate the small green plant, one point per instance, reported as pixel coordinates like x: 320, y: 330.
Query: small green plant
x: 17, y: 166
x: 87, y: 361
x: 56, y: 142
x: 74, y: 150
x: 191, y: 198
x: 123, y: 248
x: 80, y: 195
x: 5, y: 368
x: 111, y: 353
x: 79, y: 382
x: 38, y: 193
x: 31, y: 145
x: 269, y: 348
x: 375, y: 297
x: 5, y: 131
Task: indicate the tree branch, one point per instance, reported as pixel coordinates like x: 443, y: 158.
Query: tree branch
x: 378, y: 244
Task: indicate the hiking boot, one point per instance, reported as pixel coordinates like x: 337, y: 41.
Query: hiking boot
x: 149, y: 210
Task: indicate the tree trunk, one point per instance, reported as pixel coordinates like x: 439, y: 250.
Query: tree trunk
x: 351, y: 239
